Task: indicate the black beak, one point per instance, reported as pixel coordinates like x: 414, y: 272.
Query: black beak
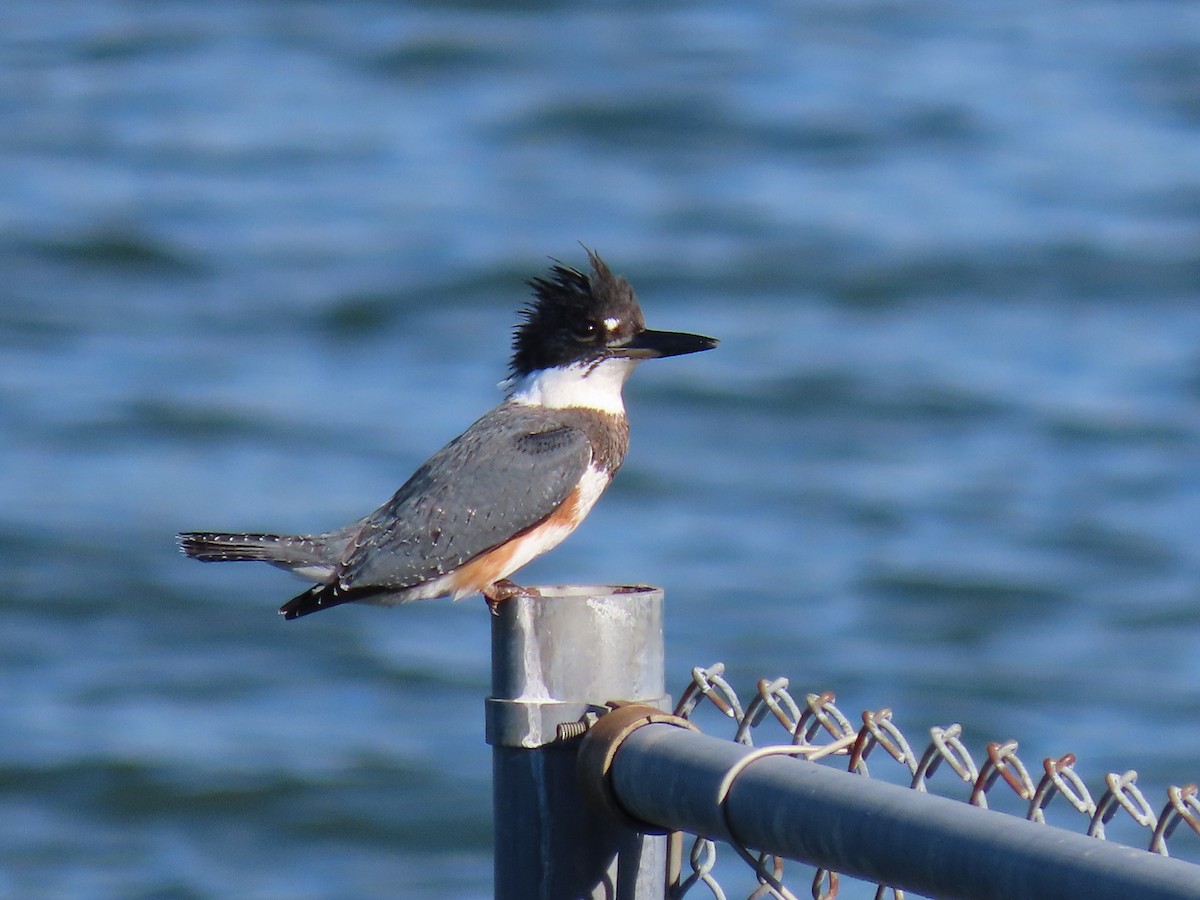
x: 652, y: 344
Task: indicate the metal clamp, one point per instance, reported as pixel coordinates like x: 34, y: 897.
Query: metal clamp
x: 599, y: 748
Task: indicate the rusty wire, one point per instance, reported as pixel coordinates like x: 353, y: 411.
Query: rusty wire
x: 817, y: 729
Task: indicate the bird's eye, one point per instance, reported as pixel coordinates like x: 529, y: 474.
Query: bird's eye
x: 585, y: 331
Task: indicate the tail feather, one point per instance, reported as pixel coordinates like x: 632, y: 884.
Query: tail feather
x: 281, y: 549
x: 309, y: 556
x: 315, y: 599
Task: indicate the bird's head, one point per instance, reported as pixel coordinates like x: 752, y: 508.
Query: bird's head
x: 580, y: 319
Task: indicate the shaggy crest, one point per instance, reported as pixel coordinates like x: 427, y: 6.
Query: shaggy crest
x: 574, y: 316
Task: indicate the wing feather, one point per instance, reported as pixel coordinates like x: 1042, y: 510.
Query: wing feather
x: 503, y: 475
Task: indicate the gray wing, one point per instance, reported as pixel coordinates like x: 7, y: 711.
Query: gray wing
x: 506, y: 473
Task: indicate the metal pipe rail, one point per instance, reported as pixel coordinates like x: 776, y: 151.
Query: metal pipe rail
x: 644, y: 768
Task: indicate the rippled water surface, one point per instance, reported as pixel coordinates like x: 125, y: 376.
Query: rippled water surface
x: 259, y: 260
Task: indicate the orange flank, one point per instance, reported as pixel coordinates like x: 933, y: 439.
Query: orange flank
x: 492, y: 565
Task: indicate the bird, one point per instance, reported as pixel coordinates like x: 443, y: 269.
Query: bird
x: 512, y: 486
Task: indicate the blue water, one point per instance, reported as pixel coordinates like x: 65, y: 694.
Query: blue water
x: 259, y: 260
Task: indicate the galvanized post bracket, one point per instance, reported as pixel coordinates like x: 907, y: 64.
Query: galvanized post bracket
x: 599, y: 747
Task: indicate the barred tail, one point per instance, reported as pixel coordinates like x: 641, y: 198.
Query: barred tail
x: 289, y: 551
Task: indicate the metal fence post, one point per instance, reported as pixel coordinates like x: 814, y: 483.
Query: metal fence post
x: 554, y: 659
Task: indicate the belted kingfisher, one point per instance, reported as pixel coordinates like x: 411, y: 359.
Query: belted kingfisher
x: 510, y: 487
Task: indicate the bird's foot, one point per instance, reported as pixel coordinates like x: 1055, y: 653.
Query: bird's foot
x: 499, y: 591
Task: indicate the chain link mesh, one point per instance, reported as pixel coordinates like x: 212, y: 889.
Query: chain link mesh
x: 817, y: 730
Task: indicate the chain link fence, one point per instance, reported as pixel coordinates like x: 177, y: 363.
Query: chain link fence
x: 816, y: 729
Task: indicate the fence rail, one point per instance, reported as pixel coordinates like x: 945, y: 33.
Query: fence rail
x: 643, y: 771
x: 765, y: 798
